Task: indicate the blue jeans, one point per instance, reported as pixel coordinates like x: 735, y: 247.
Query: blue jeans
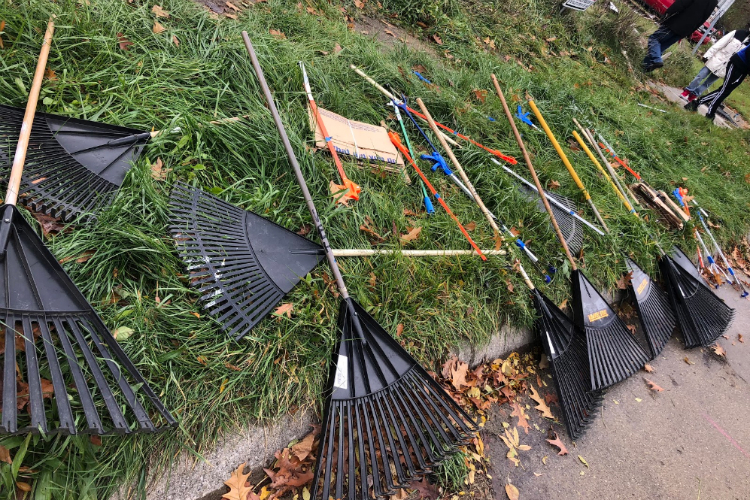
x: 659, y: 41
x: 706, y: 77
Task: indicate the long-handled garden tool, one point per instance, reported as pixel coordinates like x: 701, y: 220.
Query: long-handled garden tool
x: 654, y: 311
x: 702, y: 316
x: 450, y: 131
x: 614, y: 354
x: 564, y: 343
x: 701, y: 214
x: 40, y: 303
x: 441, y: 164
x: 567, y: 164
x: 385, y: 418
x: 564, y: 208
x: 349, y: 190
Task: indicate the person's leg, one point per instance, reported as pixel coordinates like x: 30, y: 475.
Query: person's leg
x: 696, y: 83
x: 656, y: 44
x: 736, y: 72
x: 710, y: 80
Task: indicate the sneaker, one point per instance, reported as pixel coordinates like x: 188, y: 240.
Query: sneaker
x: 691, y: 106
x: 711, y: 117
x: 653, y: 66
x: 692, y: 97
x: 685, y: 93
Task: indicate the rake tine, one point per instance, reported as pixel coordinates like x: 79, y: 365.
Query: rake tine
x: 36, y: 403
x: 64, y: 412
x: 9, y: 417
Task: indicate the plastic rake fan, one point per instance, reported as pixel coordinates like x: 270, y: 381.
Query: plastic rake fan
x: 655, y: 311
x: 702, y: 316
x: 565, y: 347
x: 73, y: 167
x: 241, y: 263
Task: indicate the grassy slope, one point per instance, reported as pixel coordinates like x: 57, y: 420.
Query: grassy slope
x: 157, y: 84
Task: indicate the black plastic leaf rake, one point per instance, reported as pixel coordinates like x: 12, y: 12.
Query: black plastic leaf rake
x: 51, y: 332
x: 385, y: 419
x: 241, y: 263
x: 73, y: 167
x: 654, y: 309
x: 702, y: 316
x: 564, y: 344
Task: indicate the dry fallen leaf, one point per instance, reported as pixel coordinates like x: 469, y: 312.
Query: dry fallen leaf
x: 687, y: 360
x: 278, y: 34
x: 437, y: 39
x: 2, y: 28
x: 160, y: 12
x: 522, y: 417
x: 158, y: 172
x: 411, y: 235
x: 284, y: 309
x: 652, y: 385
x: 719, y: 351
x: 236, y: 484
x: 458, y: 375
x: 5, y: 455
x: 624, y: 281
x: 302, y: 449
x: 559, y: 444
x: 425, y: 489
x: 739, y: 337
x: 123, y: 42
x: 50, y: 75
x: 553, y: 185
x: 158, y: 28
x: 647, y: 367
x: 470, y: 226
x: 512, y: 492
x: 175, y: 41
x: 583, y: 461
x: 337, y: 48
x: 232, y: 6
x: 480, y: 94
x: 541, y: 405
x: 399, y: 329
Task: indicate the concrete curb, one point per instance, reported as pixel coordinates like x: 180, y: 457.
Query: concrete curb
x: 191, y: 479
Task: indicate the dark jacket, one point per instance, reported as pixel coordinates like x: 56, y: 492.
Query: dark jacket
x: 686, y: 16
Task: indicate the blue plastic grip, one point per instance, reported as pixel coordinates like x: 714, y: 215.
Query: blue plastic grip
x: 422, y: 78
x: 428, y: 205
x: 440, y: 163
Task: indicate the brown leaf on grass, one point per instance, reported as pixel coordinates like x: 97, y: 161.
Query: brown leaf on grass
x: 2, y: 28
x: 631, y: 328
x: 470, y: 226
x: 158, y: 172
x: 95, y: 440
x: 553, y: 185
x: 437, y: 39
x: 123, y: 42
x: 237, y: 483
x: 160, y: 12
x: 232, y: 6
x: 480, y: 95
x: 719, y: 351
x: 284, y: 309
x: 399, y: 329
x: 5, y: 455
x: 573, y: 145
x: 175, y: 41
x: 541, y: 405
x: 232, y: 16
x: 411, y: 235
x: 368, y: 226
x: 50, y: 75
x: 85, y: 256
x: 360, y: 4
x: 277, y: 34
x: 50, y: 225
x: 337, y: 48
x: 522, y: 417
x: 458, y: 375
x: 158, y: 28
x: 424, y: 489
x: 25, y: 487
x: 512, y: 492
x: 653, y: 386
x: 648, y: 368
x: 624, y: 281
x: 559, y: 444
x: 498, y: 241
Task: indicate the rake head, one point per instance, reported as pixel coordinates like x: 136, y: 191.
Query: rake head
x: 56, y: 347
x: 385, y: 420
x: 73, y: 167
x: 241, y: 263
x: 565, y: 347
x: 654, y: 309
x: 572, y: 230
x: 614, y: 353
x: 703, y: 317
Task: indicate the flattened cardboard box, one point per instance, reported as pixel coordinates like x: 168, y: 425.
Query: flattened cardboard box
x: 352, y: 138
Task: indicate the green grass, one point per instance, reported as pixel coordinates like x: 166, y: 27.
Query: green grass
x: 440, y: 302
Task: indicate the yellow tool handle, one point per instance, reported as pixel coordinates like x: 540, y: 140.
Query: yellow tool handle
x: 559, y: 150
x: 606, y: 176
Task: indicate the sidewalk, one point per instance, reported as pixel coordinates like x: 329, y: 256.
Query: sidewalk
x: 691, y: 441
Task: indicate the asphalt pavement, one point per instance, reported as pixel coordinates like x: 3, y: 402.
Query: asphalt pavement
x: 690, y: 441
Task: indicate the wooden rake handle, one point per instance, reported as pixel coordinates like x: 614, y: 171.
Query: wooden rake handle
x: 532, y: 171
x: 14, y: 183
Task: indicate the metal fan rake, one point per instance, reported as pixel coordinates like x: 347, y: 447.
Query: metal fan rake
x: 73, y: 167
